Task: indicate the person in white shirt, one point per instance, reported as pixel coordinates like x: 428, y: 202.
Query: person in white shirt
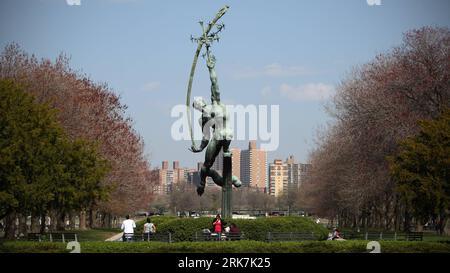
x: 149, y: 229
x: 128, y: 226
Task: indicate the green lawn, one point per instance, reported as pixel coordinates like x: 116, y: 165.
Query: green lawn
x: 96, y: 234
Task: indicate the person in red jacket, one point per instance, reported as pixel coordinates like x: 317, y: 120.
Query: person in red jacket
x: 217, y: 224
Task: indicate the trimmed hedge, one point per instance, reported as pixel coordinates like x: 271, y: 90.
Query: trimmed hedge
x: 257, y: 229
x: 157, y: 220
x: 228, y: 247
x: 183, y: 229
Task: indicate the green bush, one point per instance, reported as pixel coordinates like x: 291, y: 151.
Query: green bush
x: 227, y: 247
x: 184, y: 229
x: 157, y: 220
x: 257, y: 229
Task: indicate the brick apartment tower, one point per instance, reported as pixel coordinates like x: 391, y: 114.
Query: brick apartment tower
x: 254, y: 167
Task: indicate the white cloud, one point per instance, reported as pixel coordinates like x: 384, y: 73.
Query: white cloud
x: 307, y: 92
x: 151, y: 86
x: 271, y: 70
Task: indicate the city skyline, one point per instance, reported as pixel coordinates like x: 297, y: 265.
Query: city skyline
x: 252, y: 169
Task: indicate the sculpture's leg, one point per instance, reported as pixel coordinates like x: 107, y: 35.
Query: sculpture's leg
x: 216, y: 177
x: 212, y: 151
x: 226, y: 151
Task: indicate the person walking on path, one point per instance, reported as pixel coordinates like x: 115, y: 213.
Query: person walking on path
x: 128, y: 226
x: 149, y: 229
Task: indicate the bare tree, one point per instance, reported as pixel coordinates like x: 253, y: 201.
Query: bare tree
x: 375, y: 107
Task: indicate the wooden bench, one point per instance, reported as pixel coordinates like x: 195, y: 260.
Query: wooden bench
x: 53, y: 237
x: 290, y: 236
x: 384, y: 235
x: 414, y: 236
x: 139, y: 237
x: 37, y: 237
x: 216, y: 237
x: 63, y: 237
x: 352, y: 235
x: 234, y: 236
x: 390, y: 236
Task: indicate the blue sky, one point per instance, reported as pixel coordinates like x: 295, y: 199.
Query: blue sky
x: 271, y: 52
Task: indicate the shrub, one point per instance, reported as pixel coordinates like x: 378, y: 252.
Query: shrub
x: 157, y: 220
x: 257, y: 229
x: 227, y: 247
x: 184, y: 229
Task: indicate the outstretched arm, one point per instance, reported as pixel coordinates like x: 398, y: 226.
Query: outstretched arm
x: 205, y: 138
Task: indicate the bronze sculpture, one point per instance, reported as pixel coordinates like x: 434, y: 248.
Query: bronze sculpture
x: 214, y: 118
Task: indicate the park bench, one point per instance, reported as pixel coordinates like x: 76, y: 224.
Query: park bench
x: 394, y: 236
x: 234, y: 236
x: 139, y: 237
x: 414, y: 236
x: 219, y: 237
x: 352, y: 235
x: 203, y: 236
x: 52, y: 237
x: 62, y: 237
x: 383, y: 235
x: 290, y: 236
x: 37, y: 237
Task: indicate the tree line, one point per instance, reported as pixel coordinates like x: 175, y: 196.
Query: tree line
x: 67, y: 147
x: 383, y: 162
x: 244, y: 198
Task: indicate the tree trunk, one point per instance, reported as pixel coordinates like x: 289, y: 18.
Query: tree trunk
x: 72, y: 220
x: 43, y: 223
x: 23, y: 229
x: 107, y: 220
x: 60, y: 218
x: 34, y: 227
x: 10, y: 226
x: 91, y: 219
x: 82, y: 217
x: 446, y: 227
x: 53, y: 221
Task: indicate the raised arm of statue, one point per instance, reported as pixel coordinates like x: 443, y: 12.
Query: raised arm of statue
x: 211, y: 63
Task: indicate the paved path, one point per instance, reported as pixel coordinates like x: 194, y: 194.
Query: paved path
x: 114, y: 238
x: 118, y: 236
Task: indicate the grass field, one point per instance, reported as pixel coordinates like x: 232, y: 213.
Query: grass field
x: 96, y: 234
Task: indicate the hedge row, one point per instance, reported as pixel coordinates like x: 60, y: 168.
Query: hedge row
x: 183, y: 229
x: 228, y: 247
x: 157, y: 220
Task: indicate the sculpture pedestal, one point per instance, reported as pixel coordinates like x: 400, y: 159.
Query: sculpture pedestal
x: 226, y: 189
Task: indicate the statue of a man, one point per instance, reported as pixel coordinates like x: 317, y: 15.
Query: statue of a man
x: 215, y: 118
